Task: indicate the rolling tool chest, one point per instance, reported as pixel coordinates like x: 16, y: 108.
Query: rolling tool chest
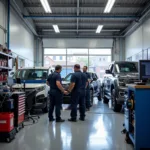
x: 19, y: 109
x: 137, y: 112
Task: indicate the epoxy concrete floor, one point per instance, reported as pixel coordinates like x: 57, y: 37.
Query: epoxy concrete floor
x: 100, y: 131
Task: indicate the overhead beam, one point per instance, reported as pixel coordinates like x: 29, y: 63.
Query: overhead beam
x: 83, y: 23
x: 82, y: 16
x: 99, y: 5
x: 81, y: 30
x: 135, y: 24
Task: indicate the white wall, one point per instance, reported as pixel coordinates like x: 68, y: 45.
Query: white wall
x: 21, y: 39
x: 2, y: 22
x: 138, y: 40
x: 77, y: 43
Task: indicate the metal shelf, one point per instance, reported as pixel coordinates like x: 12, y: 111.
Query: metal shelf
x: 7, y: 68
x: 10, y: 56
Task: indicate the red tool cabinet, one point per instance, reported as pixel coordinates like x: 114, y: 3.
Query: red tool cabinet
x: 19, y: 109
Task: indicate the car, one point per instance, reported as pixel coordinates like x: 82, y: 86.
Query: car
x: 34, y: 79
x: 116, y: 80
x: 95, y: 87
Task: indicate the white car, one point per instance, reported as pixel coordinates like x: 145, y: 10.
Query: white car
x: 34, y: 79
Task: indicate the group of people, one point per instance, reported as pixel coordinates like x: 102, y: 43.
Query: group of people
x: 78, y: 89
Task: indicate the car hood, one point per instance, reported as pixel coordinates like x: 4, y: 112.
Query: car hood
x: 65, y: 82
x: 129, y: 75
x: 28, y: 86
x: 129, y: 78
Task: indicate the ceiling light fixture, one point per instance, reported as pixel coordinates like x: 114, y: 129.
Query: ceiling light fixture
x: 99, y: 29
x: 46, y: 6
x: 109, y: 6
x: 56, y: 29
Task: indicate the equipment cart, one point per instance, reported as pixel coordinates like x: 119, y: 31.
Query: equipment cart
x: 137, y: 112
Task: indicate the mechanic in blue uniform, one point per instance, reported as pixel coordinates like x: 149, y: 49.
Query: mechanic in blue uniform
x: 56, y: 94
x: 77, y: 89
x: 87, y: 96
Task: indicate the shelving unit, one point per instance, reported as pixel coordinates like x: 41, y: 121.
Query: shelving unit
x: 9, y: 56
x: 137, y: 114
x: 4, y: 67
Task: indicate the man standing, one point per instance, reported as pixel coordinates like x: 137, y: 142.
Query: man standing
x: 87, y: 97
x: 77, y: 90
x: 56, y: 94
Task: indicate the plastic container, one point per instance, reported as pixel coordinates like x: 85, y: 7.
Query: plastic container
x: 6, y: 122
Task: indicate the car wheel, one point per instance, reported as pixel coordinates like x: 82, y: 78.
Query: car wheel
x: 45, y: 110
x: 105, y: 100
x: 116, y: 107
x: 91, y: 97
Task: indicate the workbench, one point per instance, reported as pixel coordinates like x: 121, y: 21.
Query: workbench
x: 137, y: 119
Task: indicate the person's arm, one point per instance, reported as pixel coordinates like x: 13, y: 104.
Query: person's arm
x: 58, y: 83
x: 47, y: 82
x: 72, y: 84
x: 89, y: 78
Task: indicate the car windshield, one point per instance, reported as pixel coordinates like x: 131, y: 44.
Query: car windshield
x: 126, y: 67
x: 32, y: 74
x: 68, y: 77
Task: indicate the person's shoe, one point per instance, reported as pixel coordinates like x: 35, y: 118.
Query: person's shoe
x: 60, y: 120
x: 50, y: 120
x: 72, y: 120
x: 82, y: 119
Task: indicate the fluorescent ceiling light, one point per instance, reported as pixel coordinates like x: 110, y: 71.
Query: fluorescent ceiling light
x: 99, y: 29
x: 46, y: 6
x: 109, y: 6
x: 56, y: 28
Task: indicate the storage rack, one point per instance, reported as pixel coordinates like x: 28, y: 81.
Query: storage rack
x: 4, y: 66
x: 19, y: 109
x: 137, y: 113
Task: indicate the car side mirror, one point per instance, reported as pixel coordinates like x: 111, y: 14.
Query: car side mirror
x: 107, y: 71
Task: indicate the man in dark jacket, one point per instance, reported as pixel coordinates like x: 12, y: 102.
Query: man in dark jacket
x: 77, y: 89
x: 56, y: 94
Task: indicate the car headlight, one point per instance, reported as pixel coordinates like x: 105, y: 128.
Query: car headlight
x: 121, y: 82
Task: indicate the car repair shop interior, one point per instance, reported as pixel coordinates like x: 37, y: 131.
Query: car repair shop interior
x: 110, y: 37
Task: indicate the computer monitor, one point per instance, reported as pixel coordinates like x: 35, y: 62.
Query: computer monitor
x: 144, y: 70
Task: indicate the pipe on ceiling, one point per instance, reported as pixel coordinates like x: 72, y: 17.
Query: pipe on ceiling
x: 102, y: 16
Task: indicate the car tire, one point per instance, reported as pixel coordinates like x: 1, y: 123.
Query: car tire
x: 45, y: 110
x: 105, y: 100
x: 91, y: 97
x: 116, y: 107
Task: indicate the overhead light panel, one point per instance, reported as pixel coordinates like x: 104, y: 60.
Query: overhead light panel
x: 56, y: 29
x: 99, y: 29
x: 46, y: 6
x: 109, y: 6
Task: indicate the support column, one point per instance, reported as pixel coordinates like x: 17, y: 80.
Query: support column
x: 118, y: 50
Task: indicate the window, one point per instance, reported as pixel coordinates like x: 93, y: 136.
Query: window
x: 54, y: 57
x: 93, y: 58
x: 32, y: 74
x: 60, y: 57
